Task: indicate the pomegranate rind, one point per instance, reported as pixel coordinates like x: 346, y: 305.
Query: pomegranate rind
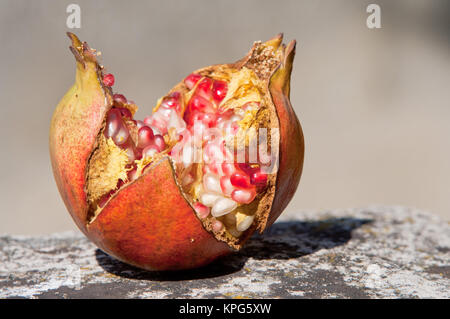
x: 148, y: 222
x: 292, y: 144
x: 151, y: 225
x: 74, y: 128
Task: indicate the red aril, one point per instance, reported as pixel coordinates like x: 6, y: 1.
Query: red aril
x: 200, y: 104
x: 248, y: 168
x: 258, y: 179
x: 119, y: 99
x: 172, y: 102
x: 150, y: 151
x: 204, y: 88
x: 159, y: 142
x: 219, y: 91
x: 202, y: 210
x: 191, y: 80
x: 241, y: 180
x: 243, y: 196
x: 113, y: 122
x: 125, y: 112
x: 145, y: 136
x: 108, y: 79
x: 228, y: 168
x: 139, y: 124
x: 227, y: 187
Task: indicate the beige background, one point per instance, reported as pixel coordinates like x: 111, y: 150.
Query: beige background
x: 374, y: 104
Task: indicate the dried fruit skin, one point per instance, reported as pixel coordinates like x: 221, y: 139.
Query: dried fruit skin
x: 149, y: 222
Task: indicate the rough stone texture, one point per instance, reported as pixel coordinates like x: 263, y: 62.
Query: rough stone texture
x: 388, y: 252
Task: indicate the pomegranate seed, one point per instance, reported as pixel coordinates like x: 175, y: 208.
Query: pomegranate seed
x: 207, y: 170
x: 132, y: 174
x: 176, y: 122
x: 188, y: 155
x: 228, y: 168
x: 226, y: 186
x: 213, y: 135
x: 119, y: 99
x: 219, y: 90
x: 149, y: 151
x: 175, y: 95
x: 159, y: 142
x: 217, y: 226
x: 139, y: 124
x: 196, y: 116
x: 245, y: 223
x: 108, y: 79
x: 223, y: 118
x: 212, y: 183
x: 138, y: 153
x: 172, y: 101
x: 191, y: 80
x: 243, y: 196
x: 239, y: 179
x: 121, y: 135
x: 145, y: 137
x: 156, y: 122
x: 209, y: 199
x: 223, y: 206
x: 215, y: 168
x: 209, y: 119
x: 206, y: 118
x: 212, y: 153
x: 125, y: 112
x: 258, y: 179
x: 228, y: 155
x: 234, y: 127
x: 201, y: 210
x: 113, y: 122
x: 204, y: 88
x: 248, y: 168
x: 148, y: 120
x: 164, y: 113
x: 198, y: 131
x: 198, y: 103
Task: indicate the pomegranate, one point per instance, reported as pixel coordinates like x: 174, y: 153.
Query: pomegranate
x: 220, y: 156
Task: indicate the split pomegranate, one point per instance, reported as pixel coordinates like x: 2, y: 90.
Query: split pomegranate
x: 219, y: 157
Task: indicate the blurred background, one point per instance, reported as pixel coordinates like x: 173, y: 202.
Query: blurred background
x: 374, y: 103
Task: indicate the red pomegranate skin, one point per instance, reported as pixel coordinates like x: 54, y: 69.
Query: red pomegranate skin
x: 149, y: 223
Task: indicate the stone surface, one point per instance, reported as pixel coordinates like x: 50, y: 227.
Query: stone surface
x: 376, y: 252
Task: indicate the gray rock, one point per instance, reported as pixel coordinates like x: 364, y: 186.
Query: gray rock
x: 376, y: 252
